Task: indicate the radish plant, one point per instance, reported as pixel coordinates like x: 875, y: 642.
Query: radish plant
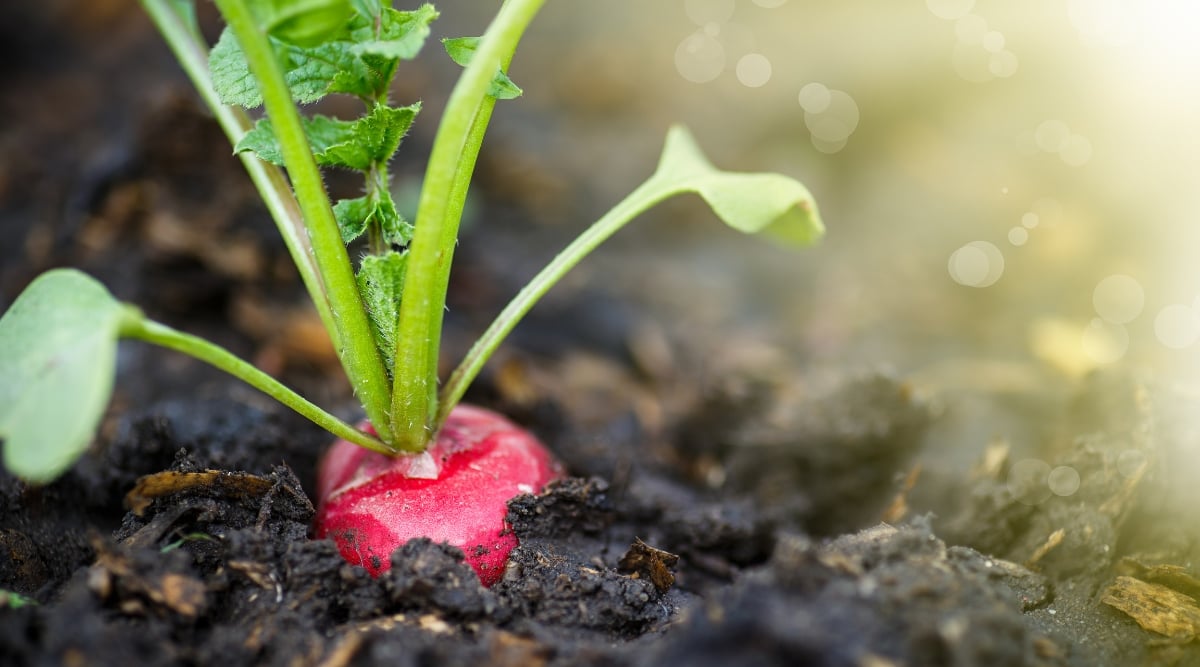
x: 421, y: 464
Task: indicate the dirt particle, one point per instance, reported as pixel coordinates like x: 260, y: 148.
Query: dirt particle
x: 643, y: 560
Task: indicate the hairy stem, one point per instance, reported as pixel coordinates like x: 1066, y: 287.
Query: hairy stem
x: 272, y: 186
x: 356, y: 342
x: 455, y: 149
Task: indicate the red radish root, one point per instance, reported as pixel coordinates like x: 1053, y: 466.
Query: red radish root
x: 455, y: 492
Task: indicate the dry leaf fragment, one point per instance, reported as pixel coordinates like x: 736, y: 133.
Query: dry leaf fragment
x: 1155, y: 608
x: 643, y: 560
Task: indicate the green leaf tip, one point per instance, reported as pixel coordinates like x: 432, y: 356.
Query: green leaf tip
x: 462, y: 49
x: 58, y: 348
x: 767, y: 203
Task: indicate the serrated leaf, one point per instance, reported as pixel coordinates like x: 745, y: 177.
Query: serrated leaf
x: 58, y: 346
x: 353, y: 144
x: 396, y: 230
x: 355, y: 215
x: 312, y: 73
x: 231, y: 76
x: 462, y: 49
x: 766, y: 203
x: 400, y: 35
x: 381, y: 283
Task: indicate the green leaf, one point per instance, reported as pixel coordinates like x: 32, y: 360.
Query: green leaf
x: 353, y: 144
x: 231, y: 76
x: 58, y: 346
x: 400, y: 35
x: 313, y: 73
x: 14, y: 600
x: 307, y: 23
x: 354, y: 215
x: 381, y: 282
x: 462, y: 49
x: 367, y: 9
x: 766, y: 203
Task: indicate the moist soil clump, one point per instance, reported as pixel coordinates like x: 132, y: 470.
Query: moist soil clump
x: 735, y: 515
x: 212, y: 562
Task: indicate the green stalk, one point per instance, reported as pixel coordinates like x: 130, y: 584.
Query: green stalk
x: 637, y: 202
x: 356, y: 347
x: 135, y: 325
x: 455, y: 148
x: 192, y: 54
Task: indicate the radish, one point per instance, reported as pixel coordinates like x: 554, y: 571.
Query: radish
x: 427, y: 466
x: 456, y: 491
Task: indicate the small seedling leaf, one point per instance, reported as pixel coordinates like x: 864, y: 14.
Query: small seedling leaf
x: 58, y: 346
x: 462, y: 49
x: 770, y: 204
x: 354, y: 144
x: 370, y: 139
x: 398, y: 36
x: 381, y: 282
x: 354, y: 215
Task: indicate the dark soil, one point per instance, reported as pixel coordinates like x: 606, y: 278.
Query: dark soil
x: 748, y: 517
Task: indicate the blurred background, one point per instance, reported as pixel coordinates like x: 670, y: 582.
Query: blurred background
x: 1010, y: 187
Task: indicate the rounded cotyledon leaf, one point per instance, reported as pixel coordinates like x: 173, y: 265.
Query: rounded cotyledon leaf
x: 756, y: 203
x: 58, y: 345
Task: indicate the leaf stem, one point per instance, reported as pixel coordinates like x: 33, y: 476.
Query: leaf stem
x: 455, y: 149
x: 272, y: 186
x: 356, y: 348
x: 135, y: 325
x: 649, y: 193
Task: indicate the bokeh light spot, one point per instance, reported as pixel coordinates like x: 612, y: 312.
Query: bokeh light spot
x: 971, y: 29
x: 1063, y: 481
x: 703, y: 12
x: 1030, y: 220
x: 1018, y: 236
x: 828, y: 147
x: 754, y: 70
x: 1077, y: 151
x: 700, y: 58
x: 1104, y: 342
x: 976, y: 264
x: 1119, y: 299
x: 1052, y: 135
x: 837, y: 121
x: 1177, y: 326
x: 1130, y: 462
x: 815, y: 98
x: 950, y: 9
x: 993, y: 41
x: 1003, y: 64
